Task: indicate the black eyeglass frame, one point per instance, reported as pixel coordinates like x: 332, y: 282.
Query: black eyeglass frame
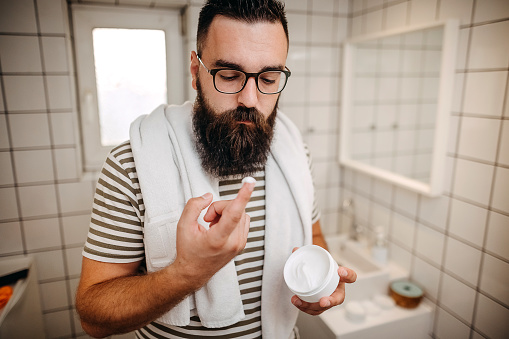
x: 214, y: 71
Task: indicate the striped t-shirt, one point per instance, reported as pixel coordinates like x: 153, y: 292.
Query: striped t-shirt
x: 116, y: 236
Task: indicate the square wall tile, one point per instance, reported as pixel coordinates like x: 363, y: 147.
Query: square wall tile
x: 297, y: 27
x: 459, y: 9
x: 326, y: 6
x: 479, y: 138
x: 462, y: 260
x: 406, y: 201
x: 430, y: 244
x: 50, y: 265
x: 4, y: 134
x: 495, y: 278
x: 74, y: 257
x: 491, y: 318
x: 450, y: 327
x: 75, y: 229
x: 20, y: 54
x: 42, y: 233
x: 503, y: 153
x: 300, y: 56
x: 11, y: 240
x: 489, y: 47
x: 52, y: 16
x: 58, y: 324
x: 321, y: 119
x: 295, y: 91
x: 29, y: 130
x: 423, y: 11
x: 322, y: 59
x: 8, y: 204
x: 33, y: 166
x: 488, y: 10
x: 320, y: 145
x: 396, y: 15
x: 53, y: 295
x: 38, y: 200
x: 17, y: 16
x: 59, y: 92
x: 322, y: 89
x: 458, y: 297
x: 374, y: 22
x: 427, y: 276
x: 403, y: 231
x: 24, y: 93
x: 468, y: 222
x: 381, y: 216
x: 498, y: 233
x: 383, y: 192
x: 6, y: 178
x: 500, y: 190
x: 75, y: 197
x: 66, y: 164
x: 400, y: 256
x: 462, y: 51
x: 434, y: 211
x: 55, y: 54
x: 484, y: 93
x: 472, y: 180
x: 62, y: 128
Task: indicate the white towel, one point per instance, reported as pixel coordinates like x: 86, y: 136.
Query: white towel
x: 170, y: 173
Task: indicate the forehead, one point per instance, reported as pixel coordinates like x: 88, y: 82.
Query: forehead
x: 251, y: 45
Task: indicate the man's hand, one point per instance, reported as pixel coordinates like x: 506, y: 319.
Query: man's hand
x: 202, y: 252
x: 346, y: 275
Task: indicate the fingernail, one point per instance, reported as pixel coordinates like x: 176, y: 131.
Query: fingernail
x: 343, y: 272
x: 206, y: 196
x: 327, y: 304
x: 297, y: 302
x: 250, y: 181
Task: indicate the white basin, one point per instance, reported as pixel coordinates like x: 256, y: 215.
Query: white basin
x: 372, y: 279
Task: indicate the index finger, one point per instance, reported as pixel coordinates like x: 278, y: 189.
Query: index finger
x: 233, y: 212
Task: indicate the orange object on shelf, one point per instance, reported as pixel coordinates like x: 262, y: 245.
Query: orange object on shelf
x: 5, y: 295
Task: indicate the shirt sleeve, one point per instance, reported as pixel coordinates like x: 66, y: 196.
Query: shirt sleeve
x: 116, y: 226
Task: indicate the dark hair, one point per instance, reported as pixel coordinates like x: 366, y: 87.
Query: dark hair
x: 249, y: 11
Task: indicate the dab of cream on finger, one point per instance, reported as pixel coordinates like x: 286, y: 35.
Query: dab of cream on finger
x: 249, y: 180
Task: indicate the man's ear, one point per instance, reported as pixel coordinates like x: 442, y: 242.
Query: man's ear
x: 194, y: 68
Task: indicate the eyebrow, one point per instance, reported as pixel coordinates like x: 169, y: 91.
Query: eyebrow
x: 231, y: 65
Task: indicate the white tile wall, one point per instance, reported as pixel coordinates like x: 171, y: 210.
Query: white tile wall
x: 454, y: 242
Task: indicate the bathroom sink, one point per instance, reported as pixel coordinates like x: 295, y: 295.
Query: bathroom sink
x: 373, y: 280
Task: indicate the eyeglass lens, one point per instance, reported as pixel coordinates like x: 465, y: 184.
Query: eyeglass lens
x: 232, y: 81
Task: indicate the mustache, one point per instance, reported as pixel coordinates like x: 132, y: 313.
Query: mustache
x: 242, y: 113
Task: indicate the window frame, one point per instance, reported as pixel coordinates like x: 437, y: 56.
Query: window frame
x: 85, y: 19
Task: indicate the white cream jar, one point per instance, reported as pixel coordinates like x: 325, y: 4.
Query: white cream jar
x: 311, y: 273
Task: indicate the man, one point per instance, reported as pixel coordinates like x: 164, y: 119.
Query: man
x: 172, y: 200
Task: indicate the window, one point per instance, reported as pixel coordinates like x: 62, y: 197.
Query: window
x: 128, y: 62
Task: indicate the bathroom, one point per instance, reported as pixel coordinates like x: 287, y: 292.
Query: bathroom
x: 454, y: 244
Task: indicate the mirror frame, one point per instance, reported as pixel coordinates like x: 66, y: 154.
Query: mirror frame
x: 434, y: 187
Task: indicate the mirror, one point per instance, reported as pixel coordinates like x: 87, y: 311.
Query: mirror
x: 396, y: 102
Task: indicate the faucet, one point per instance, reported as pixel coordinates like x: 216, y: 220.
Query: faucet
x: 354, y: 229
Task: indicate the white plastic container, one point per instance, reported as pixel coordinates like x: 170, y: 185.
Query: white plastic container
x: 311, y: 273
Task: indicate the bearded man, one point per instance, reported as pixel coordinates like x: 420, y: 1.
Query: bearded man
x: 179, y: 246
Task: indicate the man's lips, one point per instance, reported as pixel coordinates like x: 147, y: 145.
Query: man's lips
x: 246, y: 122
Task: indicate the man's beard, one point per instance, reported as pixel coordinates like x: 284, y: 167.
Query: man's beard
x: 227, y: 147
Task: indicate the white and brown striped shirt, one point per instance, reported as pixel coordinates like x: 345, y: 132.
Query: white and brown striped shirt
x: 116, y: 236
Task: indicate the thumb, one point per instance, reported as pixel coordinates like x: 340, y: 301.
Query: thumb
x: 193, y: 208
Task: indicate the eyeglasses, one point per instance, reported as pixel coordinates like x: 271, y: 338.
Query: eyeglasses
x: 231, y: 81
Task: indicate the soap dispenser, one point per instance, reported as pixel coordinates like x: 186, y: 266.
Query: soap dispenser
x: 379, y: 249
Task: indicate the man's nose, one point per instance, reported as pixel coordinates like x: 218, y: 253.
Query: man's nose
x: 248, y: 97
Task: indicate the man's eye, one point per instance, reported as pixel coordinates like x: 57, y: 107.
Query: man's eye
x: 228, y: 77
